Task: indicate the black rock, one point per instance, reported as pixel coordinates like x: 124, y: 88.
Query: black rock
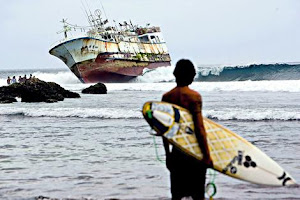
x: 35, y: 90
x: 98, y: 88
x: 7, y: 99
x: 51, y: 101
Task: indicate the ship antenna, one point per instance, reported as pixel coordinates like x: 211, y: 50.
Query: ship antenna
x: 91, y: 16
x: 86, y: 13
x: 103, y: 10
x: 88, y: 8
x: 66, y: 28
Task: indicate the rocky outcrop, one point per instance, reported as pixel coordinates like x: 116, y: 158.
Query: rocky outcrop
x: 35, y: 90
x: 7, y: 99
x: 98, y: 88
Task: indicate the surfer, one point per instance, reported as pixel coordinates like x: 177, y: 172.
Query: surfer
x: 187, y: 174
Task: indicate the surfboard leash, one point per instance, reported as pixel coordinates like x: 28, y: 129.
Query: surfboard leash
x: 156, y: 152
x: 212, y: 174
x: 211, y: 184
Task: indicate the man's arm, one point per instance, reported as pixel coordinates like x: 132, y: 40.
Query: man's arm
x: 166, y: 144
x: 200, y: 132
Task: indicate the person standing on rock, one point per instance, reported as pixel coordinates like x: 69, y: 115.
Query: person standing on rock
x: 20, y: 79
x: 8, y: 80
x: 13, y: 80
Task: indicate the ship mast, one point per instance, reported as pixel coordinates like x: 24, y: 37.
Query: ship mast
x: 66, y: 28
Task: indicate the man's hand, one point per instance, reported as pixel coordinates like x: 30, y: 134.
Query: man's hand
x: 208, y: 161
x: 169, y: 162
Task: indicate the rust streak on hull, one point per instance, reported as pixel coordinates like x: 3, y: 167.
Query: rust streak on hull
x: 112, y: 70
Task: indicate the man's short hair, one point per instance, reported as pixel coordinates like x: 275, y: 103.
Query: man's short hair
x: 184, y: 72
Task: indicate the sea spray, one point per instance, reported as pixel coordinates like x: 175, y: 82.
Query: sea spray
x: 162, y: 74
x: 61, y: 77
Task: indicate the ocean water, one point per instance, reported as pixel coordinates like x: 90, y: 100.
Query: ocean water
x: 99, y: 146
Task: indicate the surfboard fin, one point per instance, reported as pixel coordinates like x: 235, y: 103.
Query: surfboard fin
x: 149, y: 114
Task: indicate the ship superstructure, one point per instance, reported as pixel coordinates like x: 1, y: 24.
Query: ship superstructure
x: 112, y: 53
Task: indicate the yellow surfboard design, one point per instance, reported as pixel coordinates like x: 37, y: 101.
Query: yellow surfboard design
x: 231, y: 154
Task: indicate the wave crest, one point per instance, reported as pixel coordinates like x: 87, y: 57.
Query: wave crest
x: 254, y: 72
x: 113, y: 113
x: 253, y: 114
x: 102, y: 113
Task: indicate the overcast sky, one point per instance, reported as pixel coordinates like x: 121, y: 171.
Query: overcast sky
x: 206, y: 31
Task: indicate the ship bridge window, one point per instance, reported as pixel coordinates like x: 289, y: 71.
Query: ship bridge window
x: 144, y: 39
x: 153, y: 39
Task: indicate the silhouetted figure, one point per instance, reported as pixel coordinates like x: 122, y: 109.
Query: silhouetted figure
x: 187, y: 173
x: 21, y: 80
x: 8, y: 80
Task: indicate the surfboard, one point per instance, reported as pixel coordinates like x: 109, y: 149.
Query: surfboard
x: 231, y: 154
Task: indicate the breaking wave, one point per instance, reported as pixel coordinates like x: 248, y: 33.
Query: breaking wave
x: 225, y: 73
x: 253, y: 72
x: 159, y: 75
x: 205, y: 73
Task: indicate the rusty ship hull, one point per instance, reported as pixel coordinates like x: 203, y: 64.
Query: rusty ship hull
x: 94, y: 60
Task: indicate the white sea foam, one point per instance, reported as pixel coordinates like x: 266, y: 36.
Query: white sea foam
x: 253, y: 114
x: 111, y: 113
x: 162, y: 74
x: 103, y: 113
x: 62, y: 77
x: 140, y: 86
x: 249, y: 86
x: 243, y: 86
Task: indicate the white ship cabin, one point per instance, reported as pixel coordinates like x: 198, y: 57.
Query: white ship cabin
x: 152, y: 38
